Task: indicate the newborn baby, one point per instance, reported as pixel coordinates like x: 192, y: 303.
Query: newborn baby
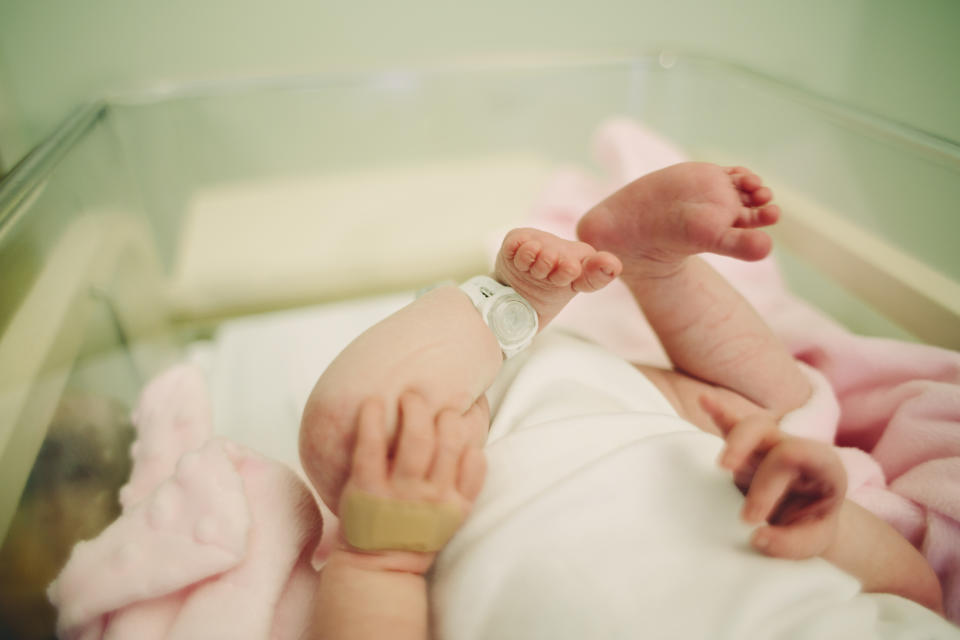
x: 401, y: 414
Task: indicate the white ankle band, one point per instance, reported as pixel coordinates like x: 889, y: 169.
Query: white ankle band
x: 513, y: 320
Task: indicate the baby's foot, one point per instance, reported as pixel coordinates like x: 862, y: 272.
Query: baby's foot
x: 548, y: 271
x: 657, y: 221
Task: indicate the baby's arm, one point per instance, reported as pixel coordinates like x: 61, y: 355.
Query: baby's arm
x: 382, y: 593
x: 795, y: 490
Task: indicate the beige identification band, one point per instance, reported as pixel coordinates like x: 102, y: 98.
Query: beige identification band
x: 371, y: 523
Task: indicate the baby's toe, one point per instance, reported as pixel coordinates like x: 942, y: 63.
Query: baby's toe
x: 745, y: 244
x: 544, y: 264
x: 752, y: 217
x: 746, y: 180
x: 526, y: 255
x: 566, y: 272
x: 514, y: 239
x: 768, y: 215
x: 599, y: 270
x: 761, y: 196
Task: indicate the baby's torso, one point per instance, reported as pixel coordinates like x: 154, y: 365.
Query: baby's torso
x: 604, y: 514
x: 563, y: 376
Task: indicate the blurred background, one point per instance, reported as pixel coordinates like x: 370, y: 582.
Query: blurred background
x: 129, y: 238
x: 893, y: 58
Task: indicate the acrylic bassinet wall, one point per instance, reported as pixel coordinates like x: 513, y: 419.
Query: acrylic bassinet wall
x: 144, y: 220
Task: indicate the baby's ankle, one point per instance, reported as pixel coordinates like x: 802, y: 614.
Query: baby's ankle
x: 640, y: 269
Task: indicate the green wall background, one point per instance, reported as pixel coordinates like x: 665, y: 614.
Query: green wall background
x: 894, y: 58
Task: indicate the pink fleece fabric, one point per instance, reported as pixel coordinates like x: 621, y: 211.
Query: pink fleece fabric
x: 892, y: 408
x: 213, y: 542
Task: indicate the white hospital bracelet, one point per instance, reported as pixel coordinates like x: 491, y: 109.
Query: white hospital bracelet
x: 511, y: 318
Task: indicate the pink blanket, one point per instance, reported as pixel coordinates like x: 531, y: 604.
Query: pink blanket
x: 214, y: 540
x: 894, y: 412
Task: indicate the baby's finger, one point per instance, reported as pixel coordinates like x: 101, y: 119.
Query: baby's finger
x: 415, y: 438
x: 369, y: 469
x: 819, y: 461
x: 804, y: 539
x: 807, y: 507
x: 476, y: 422
x: 450, y: 441
x: 473, y: 469
x: 820, y: 473
x: 725, y: 416
x: 757, y: 433
x: 768, y: 487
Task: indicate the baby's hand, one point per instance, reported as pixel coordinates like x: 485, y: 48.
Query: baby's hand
x: 795, y: 485
x: 432, y: 463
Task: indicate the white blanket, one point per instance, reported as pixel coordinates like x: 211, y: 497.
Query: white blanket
x: 605, y: 516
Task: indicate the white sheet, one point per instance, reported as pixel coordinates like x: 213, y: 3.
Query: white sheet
x: 262, y: 368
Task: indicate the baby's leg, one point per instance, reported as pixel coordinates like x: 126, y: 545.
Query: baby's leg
x: 439, y: 347
x: 655, y: 225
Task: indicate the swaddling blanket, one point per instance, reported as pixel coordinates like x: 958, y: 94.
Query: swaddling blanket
x: 605, y: 516
x: 893, y: 408
x: 213, y: 542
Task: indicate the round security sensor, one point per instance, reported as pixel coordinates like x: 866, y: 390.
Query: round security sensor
x: 513, y: 320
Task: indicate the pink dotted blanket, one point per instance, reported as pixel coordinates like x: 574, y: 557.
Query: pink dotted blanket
x: 214, y: 540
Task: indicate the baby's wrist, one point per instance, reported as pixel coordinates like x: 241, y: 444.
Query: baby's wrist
x: 387, y: 560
